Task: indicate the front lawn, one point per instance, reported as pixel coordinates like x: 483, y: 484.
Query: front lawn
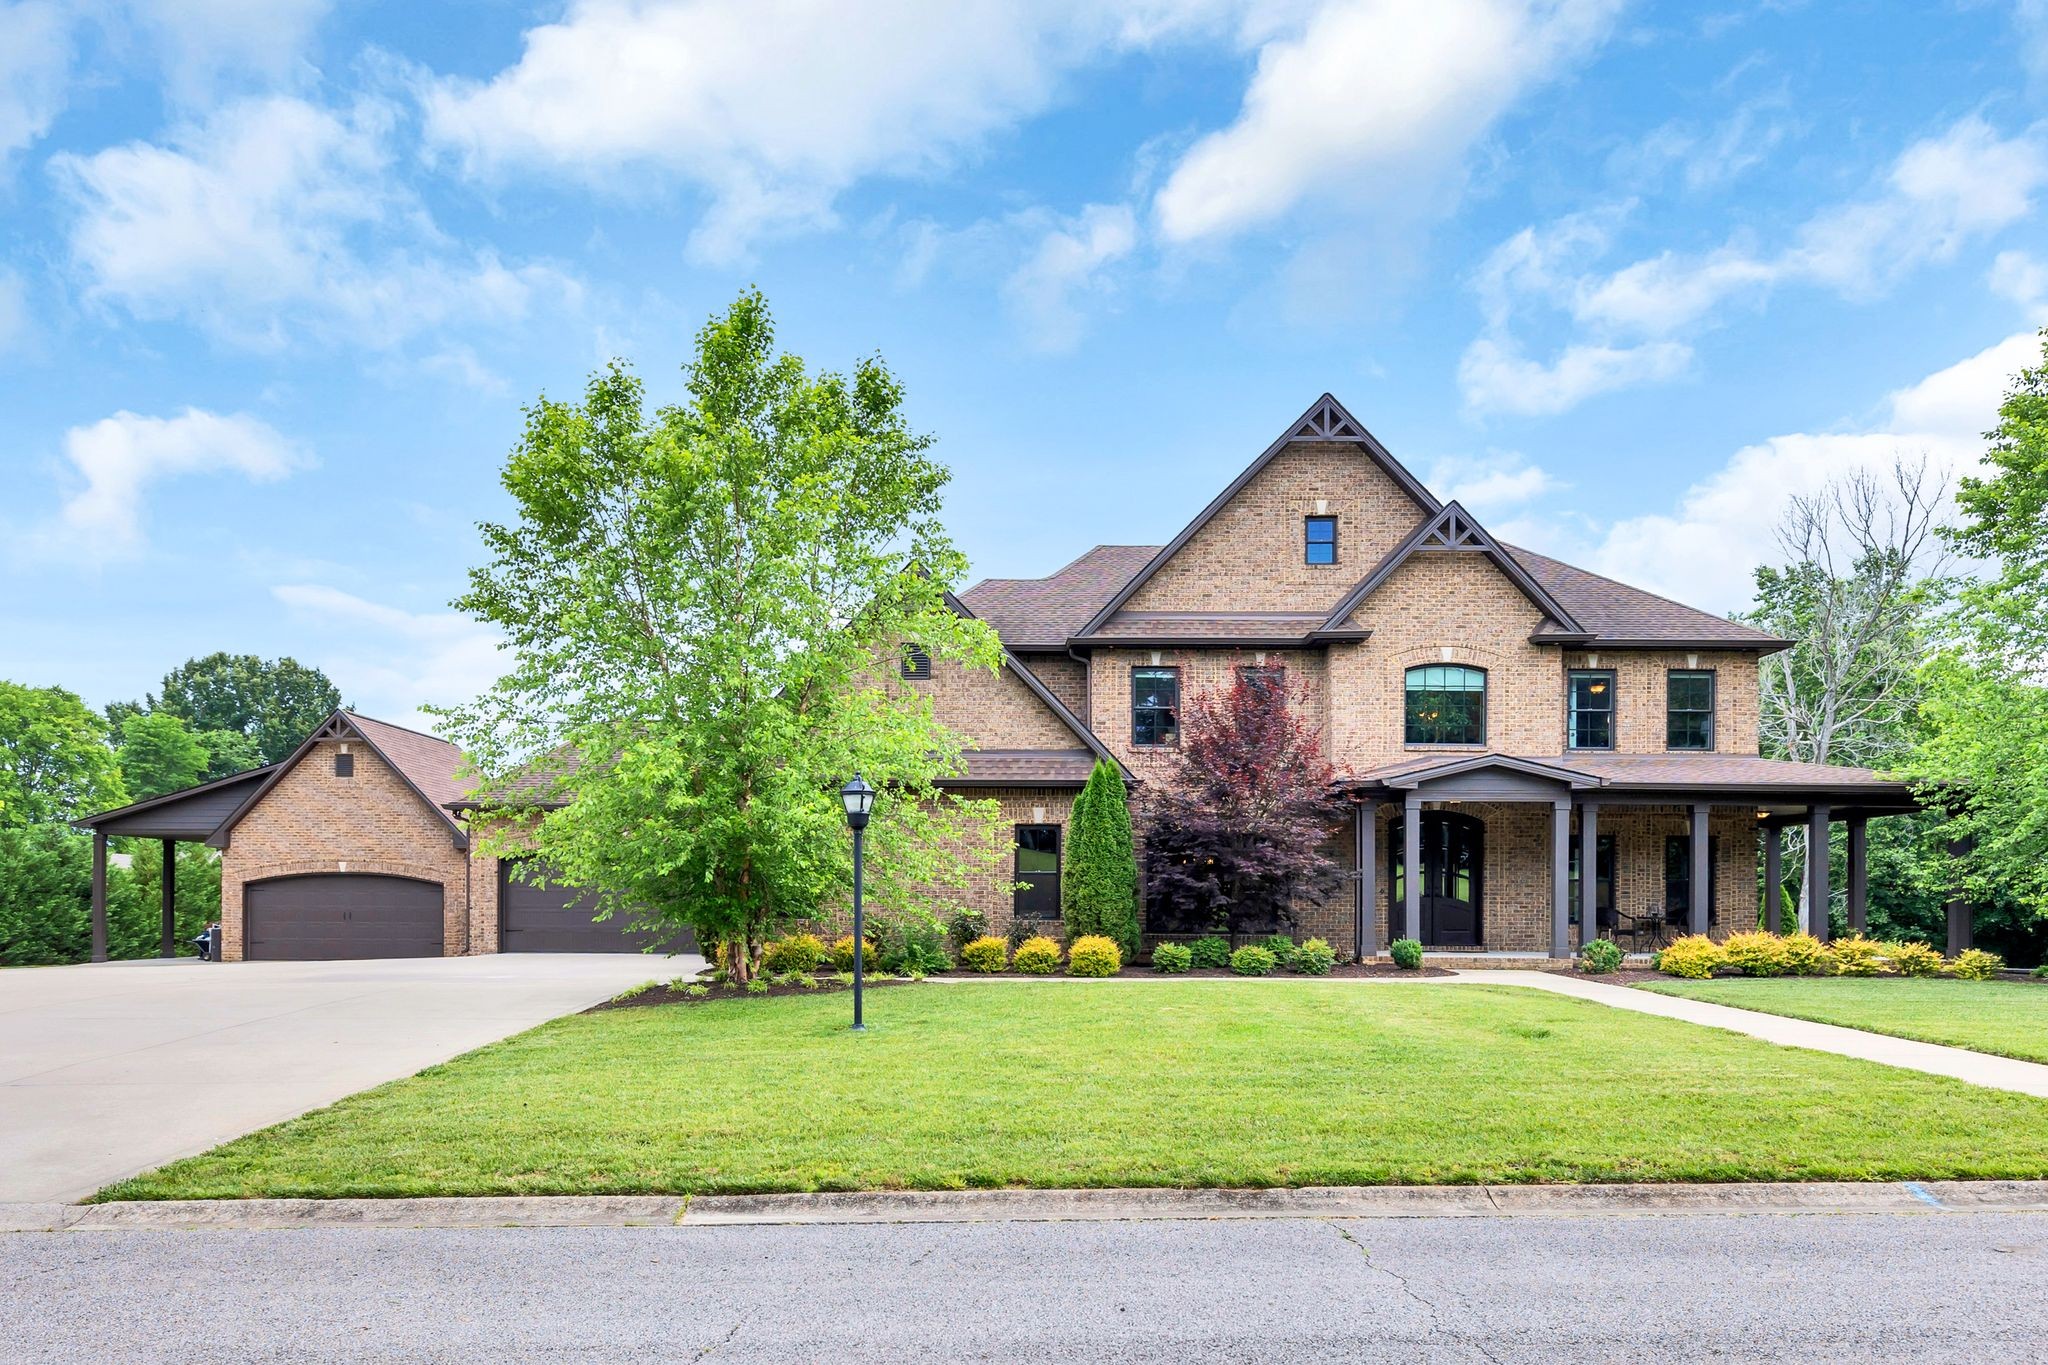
x: 2008, y: 1018
x: 1124, y: 1083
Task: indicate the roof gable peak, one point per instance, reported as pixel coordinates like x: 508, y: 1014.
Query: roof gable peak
x: 1455, y: 530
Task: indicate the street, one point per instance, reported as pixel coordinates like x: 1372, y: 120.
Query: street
x: 1850, y: 1287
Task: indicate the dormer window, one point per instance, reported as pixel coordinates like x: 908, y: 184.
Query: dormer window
x: 917, y: 665
x: 1319, y: 539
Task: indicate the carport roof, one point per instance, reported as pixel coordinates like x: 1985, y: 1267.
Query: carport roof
x: 192, y: 814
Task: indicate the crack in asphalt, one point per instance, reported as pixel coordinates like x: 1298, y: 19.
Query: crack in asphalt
x: 726, y: 1340
x: 1436, y: 1324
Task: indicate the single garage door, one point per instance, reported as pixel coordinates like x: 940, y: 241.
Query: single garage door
x: 557, y: 919
x: 340, y: 915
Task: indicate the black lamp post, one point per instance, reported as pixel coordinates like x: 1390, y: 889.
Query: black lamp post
x: 858, y: 798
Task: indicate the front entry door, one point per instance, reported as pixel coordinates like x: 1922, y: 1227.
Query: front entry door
x: 1453, y: 856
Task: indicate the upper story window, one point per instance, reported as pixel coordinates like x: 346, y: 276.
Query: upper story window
x: 1446, y: 704
x: 1155, y: 707
x: 1589, y: 709
x: 1319, y: 539
x: 917, y: 665
x: 1689, y: 709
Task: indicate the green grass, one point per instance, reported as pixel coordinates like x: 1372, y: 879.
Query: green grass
x: 2006, y: 1018
x: 1191, y: 1083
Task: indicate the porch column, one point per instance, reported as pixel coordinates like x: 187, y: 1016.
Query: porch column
x: 1961, y: 926
x: 1817, y: 872
x: 1702, y: 885
x: 1411, y: 868
x: 99, y: 896
x: 1773, y: 910
x: 1561, y: 878
x: 1859, y: 872
x: 1589, y: 872
x: 169, y: 945
x: 1366, y: 832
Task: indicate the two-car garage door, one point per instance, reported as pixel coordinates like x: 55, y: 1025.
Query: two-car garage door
x: 340, y: 915
x: 558, y: 919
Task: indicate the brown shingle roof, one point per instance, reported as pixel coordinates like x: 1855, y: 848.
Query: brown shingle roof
x: 432, y: 764
x: 1615, y: 612
x: 1042, y: 613
x: 1024, y: 768
x: 1209, y: 625
x: 1725, y: 770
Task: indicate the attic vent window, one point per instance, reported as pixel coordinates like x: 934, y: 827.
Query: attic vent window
x: 1319, y: 539
x: 344, y: 765
x: 917, y: 665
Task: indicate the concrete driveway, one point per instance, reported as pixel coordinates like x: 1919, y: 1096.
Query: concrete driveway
x: 111, y: 1069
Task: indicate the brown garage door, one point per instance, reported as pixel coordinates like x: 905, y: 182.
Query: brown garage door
x: 341, y: 915
x: 557, y: 919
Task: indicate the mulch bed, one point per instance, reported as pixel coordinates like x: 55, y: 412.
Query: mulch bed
x: 665, y: 995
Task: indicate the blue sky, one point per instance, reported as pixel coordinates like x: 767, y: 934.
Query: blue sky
x: 276, y: 276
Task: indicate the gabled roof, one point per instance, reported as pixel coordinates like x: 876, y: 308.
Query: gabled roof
x: 1407, y: 774
x: 189, y: 813
x: 1325, y: 421
x: 1045, y: 694
x: 1455, y: 530
x: 1618, y: 614
x: 427, y: 765
x: 1042, y: 613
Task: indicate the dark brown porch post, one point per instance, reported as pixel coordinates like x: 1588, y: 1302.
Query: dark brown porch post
x: 1561, y: 878
x: 1702, y: 888
x: 99, y: 896
x: 1411, y: 868
x: 1366, y: 834
x: 169, y: 946
x: 1772, y: 913
x: 1859, y: 872
x: 1961, y: 925
x: 1589, y: 872
x: 1817, y: 872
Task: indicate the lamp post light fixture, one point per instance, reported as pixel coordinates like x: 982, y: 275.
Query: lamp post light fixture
x: 859, y: 799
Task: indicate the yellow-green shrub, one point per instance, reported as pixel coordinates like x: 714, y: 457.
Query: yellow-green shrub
x: 794, y: 953
x: 1805, y: 955
x: 1037, y: 956
x: 1914, y: 959
x: 1094, y: 955
x: 842, y: 954
x: 985, y: 954
x: 1695, y: 956
x: 1974, y: 964
x: 1858, y: 956
x: 1755, y: 953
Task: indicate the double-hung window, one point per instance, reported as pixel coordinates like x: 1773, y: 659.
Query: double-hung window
x: 1155, y: 707
x: 1319, y: 540
x: 1589, y: 709
x: 1689, y: 709
x: 1038, y: 873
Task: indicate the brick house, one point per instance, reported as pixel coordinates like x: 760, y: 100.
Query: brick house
x: 1502, y: 720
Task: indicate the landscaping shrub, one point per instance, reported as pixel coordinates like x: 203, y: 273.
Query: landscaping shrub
x: 1094, y: 955
x: 805, y: 981
x: 1211, y: 952
x: 1406, y: 952
x: 1914, y: 959
x: 1858, y: 956
x: 1805, y: 955
x: 1171, y: 959
x: 1314, y: 957
x: 758, y: 986
x: 1279, y: 945
x: 1694, y: 956
x: 1600, y: 957
x: 1755, y: 954
x: 985, y: 954
x: 641, y: 989
x: 1099, y: 883
x: 1020, y: 932
x: 964, y: 927
x: 696, y: 992
x: 842, y: 954
x: 2040, y: 973
x: 1974, y: 964
x: 1252, y: 960
x: 911, y: 947
x: 793, y: 953
x: 1038, y: 956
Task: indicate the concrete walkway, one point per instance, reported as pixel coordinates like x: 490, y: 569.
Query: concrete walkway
x: 107, y: 1070
x: 1978, y: 1068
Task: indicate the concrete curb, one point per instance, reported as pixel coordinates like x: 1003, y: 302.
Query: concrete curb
x: 993, y: 1206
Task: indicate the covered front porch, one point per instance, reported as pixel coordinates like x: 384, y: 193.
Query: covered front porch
x: 1673, y: 843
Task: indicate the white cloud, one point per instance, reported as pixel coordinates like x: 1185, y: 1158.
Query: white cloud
x: 14, y: 320
x: 1942, y: 193
x: 2030, y: 19
x: 1373, y: 101
x: 203, y: 41
x: 35, y: 70
x: 120, y: 456
x: 390, y: 661
x: 1069, y: 260
x: 1491, y: 484
x: 1703, y: 550
x: 274, y: 216
x: 2017, y: 276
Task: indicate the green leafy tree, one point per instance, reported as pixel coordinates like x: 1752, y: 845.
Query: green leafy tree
x: 159, y: 754
x: 1099, y: 886
x: 229, y: 752
x: 54, y: 759
x: 276, y: 702
x: 706, y: 604
x: 45, y: 895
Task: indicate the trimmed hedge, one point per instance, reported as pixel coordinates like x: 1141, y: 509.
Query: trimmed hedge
x: 1038, y: 956
x: 985, y: 954
x: 1171, y: 959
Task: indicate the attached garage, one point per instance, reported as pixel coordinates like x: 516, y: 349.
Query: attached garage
x: 330, y: 916
x: 558, y: 919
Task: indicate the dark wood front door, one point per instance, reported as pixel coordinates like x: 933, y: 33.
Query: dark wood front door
x: 1453, y: 879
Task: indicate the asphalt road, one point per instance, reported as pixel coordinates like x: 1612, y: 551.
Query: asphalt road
x: 1863, y: 1288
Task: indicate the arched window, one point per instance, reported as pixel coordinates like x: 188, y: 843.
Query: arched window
x: 1446, y: 704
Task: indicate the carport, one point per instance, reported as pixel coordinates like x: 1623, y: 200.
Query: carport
x: 189, y: 816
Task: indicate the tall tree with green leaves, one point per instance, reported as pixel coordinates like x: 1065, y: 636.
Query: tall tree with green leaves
x: 275, y: 702
x: 1099, y: 884
x: 705, y: 606
x: 54, y: 760
x: 159, y: 754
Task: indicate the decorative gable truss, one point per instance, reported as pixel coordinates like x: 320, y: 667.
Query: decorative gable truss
x: 1453, y: 530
